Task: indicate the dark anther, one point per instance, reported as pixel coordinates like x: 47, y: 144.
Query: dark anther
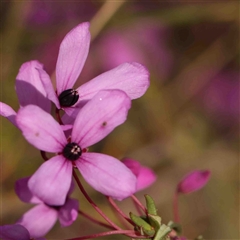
x: 68, y: 98
x: 72, y: 151
x: 54, y: 207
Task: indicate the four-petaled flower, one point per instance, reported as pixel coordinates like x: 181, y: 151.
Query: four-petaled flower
x: 51, y: 182
x: 132, y: 78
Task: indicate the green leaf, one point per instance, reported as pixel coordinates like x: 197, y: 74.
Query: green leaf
x: 176, y: 227
x: 150, y: 205
x: 146, y: 228
x: 155, y: 221
x: 162, y: 233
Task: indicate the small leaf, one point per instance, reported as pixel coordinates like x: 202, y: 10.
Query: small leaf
x: 176, y: 227
x: 150, y: 205
x: 162, y: 233
x: 146, y: 228
x: 155, y: 221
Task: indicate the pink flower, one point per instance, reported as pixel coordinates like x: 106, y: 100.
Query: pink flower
x: 145, y: 176
x: 40, y: 219
x: 29, y: 90
x: 96, y: 119
x: 15, y: 232
x: 193, y: 181
x: 132, y: 78
x: 144, y: 41
x: 221, y: 99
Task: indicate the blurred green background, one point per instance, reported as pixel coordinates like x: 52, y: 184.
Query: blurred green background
x: 187, y: 120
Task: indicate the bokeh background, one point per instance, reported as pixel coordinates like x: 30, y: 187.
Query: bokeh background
x: 187, y: 120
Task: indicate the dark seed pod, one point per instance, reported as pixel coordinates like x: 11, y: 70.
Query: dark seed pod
x: 68, y: 98
x: 72, y: 151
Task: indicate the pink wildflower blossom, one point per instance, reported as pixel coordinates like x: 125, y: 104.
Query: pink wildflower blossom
x: 131, y: 78
x: 51, y: 182
x: 193, y: 181
x: 40, y: 219
x: 145, y: 176
x: 29, y: 90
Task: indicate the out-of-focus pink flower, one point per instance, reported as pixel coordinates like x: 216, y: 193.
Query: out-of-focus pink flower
x: 46, y: 13
x: 29, y: 90
x: 221, y: 99
x: 15, y: 232
x: 145, y: 176
x: 51, y: 182
x: 41, y: 218
x: 144, y: 42
x: 193, y: 181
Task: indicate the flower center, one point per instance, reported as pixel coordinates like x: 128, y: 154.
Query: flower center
x: 72, y: 151
x: 68, y: 98
x: 54, y: 207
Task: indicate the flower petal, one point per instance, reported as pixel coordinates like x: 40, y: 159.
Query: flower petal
x: 107, y: 175
x: 145, y: 176
x: 133, y: 165
x: 105, y: 111
x: 14, y: 232
x: 68, y: 212
x: 72, y: 56
x: 39, y: 220
x: 52, y: 180
x: 29, y: 87
x: 193, y: 181
x: 23, y: 191
x: 47, y: 84
x: 7, y: 112
x: 132, y: 78
x: 40, y: 129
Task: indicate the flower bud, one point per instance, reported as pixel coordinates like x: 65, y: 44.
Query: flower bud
x: 193, y: 181
x: 145, y: 176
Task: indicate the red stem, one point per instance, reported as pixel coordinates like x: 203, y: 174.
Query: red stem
x: 129, y: 233
x: 58, y: 117
x: 139, y: 203
x: 139, y: 210
x: 92, y: 203
x: 95, y: 220
x: 175, y: 208
x: 115, y: 206
x: 44, y: 156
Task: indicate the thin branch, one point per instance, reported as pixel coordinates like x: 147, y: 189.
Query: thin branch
x: 139, y: 203
x: 92, y: 203
x: 105, y: 13
x: 175, y: 208
x: 129, y: 233
x: 95, y: 220
x: 115, y: 206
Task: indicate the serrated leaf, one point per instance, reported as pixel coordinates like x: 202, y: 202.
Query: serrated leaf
x: 162, y: 233
x: 150, y: 205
